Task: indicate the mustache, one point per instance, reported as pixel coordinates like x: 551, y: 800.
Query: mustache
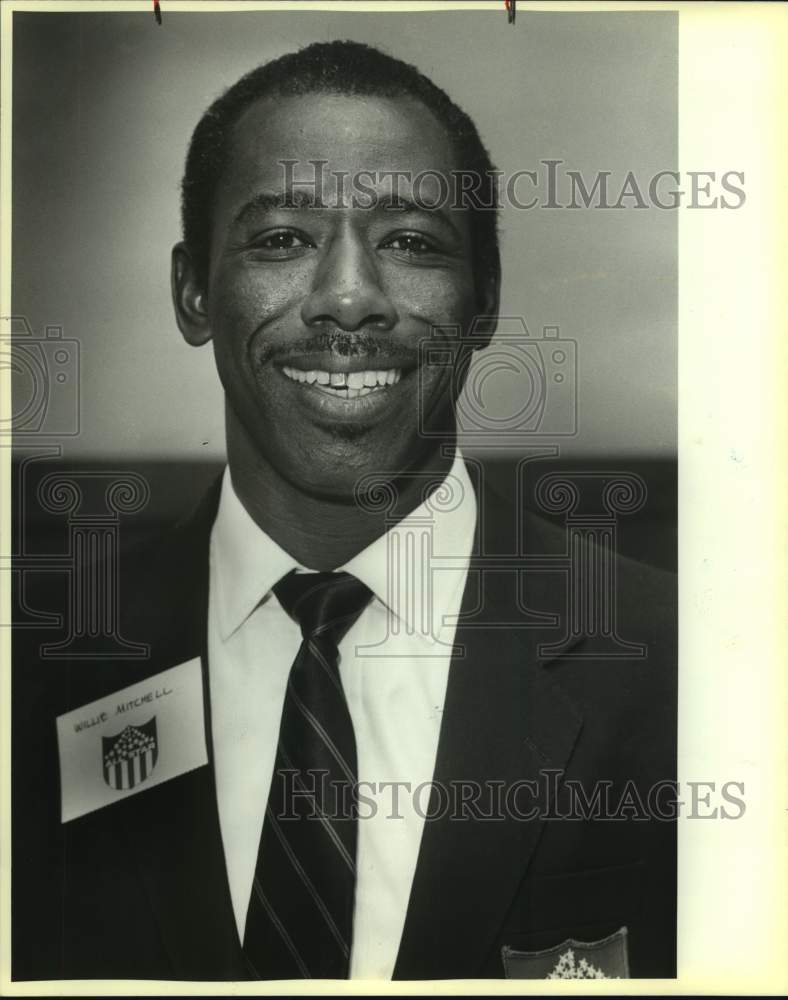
x: 342, y: 343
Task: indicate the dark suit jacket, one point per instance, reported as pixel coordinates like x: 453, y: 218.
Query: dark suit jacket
x: 139, y: 889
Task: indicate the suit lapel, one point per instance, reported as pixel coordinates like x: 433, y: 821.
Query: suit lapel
x: 174, y: 833
x: 504, y: 721
x: 173, y: 829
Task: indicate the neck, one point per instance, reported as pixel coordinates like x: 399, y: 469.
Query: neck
x: 321, y: 533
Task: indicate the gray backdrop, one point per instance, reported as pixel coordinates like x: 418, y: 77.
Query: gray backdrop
x: 104, y: 105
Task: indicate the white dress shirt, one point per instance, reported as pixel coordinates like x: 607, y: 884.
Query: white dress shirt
x: 394, y: 665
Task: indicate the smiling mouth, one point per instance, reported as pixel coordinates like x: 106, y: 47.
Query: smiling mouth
x: 345, y: 385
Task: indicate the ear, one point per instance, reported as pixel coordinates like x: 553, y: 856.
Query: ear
x: 189, y: 298
x: 488, y: 303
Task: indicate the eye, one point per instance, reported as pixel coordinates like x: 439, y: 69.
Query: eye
x: 283, y: 239
x: 278, y: 244
x: 411, y: 243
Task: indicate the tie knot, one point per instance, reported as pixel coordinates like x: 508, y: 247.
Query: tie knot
x: 323, y: 604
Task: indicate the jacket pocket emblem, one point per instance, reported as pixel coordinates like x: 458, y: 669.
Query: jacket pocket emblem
x: 604, y: 959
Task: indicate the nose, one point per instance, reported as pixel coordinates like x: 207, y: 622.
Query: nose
x: 346, y: 291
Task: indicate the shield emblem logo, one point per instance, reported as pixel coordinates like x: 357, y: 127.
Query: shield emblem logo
x: 604, y: 959
x: 130, y: 757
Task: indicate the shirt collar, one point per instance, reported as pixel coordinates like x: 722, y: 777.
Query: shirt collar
x: 401, y: 567
x: 246, y: 562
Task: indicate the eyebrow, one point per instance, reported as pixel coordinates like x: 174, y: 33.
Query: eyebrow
x: 269, y: 201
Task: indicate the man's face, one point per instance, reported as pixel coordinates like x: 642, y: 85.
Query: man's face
x: 317, y: 312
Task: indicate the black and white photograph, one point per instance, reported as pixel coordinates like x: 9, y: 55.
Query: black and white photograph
x: 343, y: 437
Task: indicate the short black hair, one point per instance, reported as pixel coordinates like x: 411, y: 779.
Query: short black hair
x: 340, y: 67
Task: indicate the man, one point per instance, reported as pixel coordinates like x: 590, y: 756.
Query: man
x: 387, y: 749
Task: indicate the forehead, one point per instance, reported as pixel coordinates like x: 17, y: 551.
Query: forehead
x: 352, y: 133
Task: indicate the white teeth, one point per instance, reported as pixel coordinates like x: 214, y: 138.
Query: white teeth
x: 348, y: 385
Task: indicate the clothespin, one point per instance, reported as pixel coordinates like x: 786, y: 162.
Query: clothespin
x: 157, y: 11
x: 511, y: 9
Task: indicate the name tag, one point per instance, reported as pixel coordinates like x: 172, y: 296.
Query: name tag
x: 131, y: 740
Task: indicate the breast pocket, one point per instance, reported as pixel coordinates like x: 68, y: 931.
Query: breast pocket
x: 584, y: 906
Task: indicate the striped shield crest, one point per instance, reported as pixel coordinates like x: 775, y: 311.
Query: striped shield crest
x: 130, y: 757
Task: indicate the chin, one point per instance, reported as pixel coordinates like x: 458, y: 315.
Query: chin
x: 346, y: 472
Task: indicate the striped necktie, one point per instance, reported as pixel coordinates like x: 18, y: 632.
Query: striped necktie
x: 300, y: 918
